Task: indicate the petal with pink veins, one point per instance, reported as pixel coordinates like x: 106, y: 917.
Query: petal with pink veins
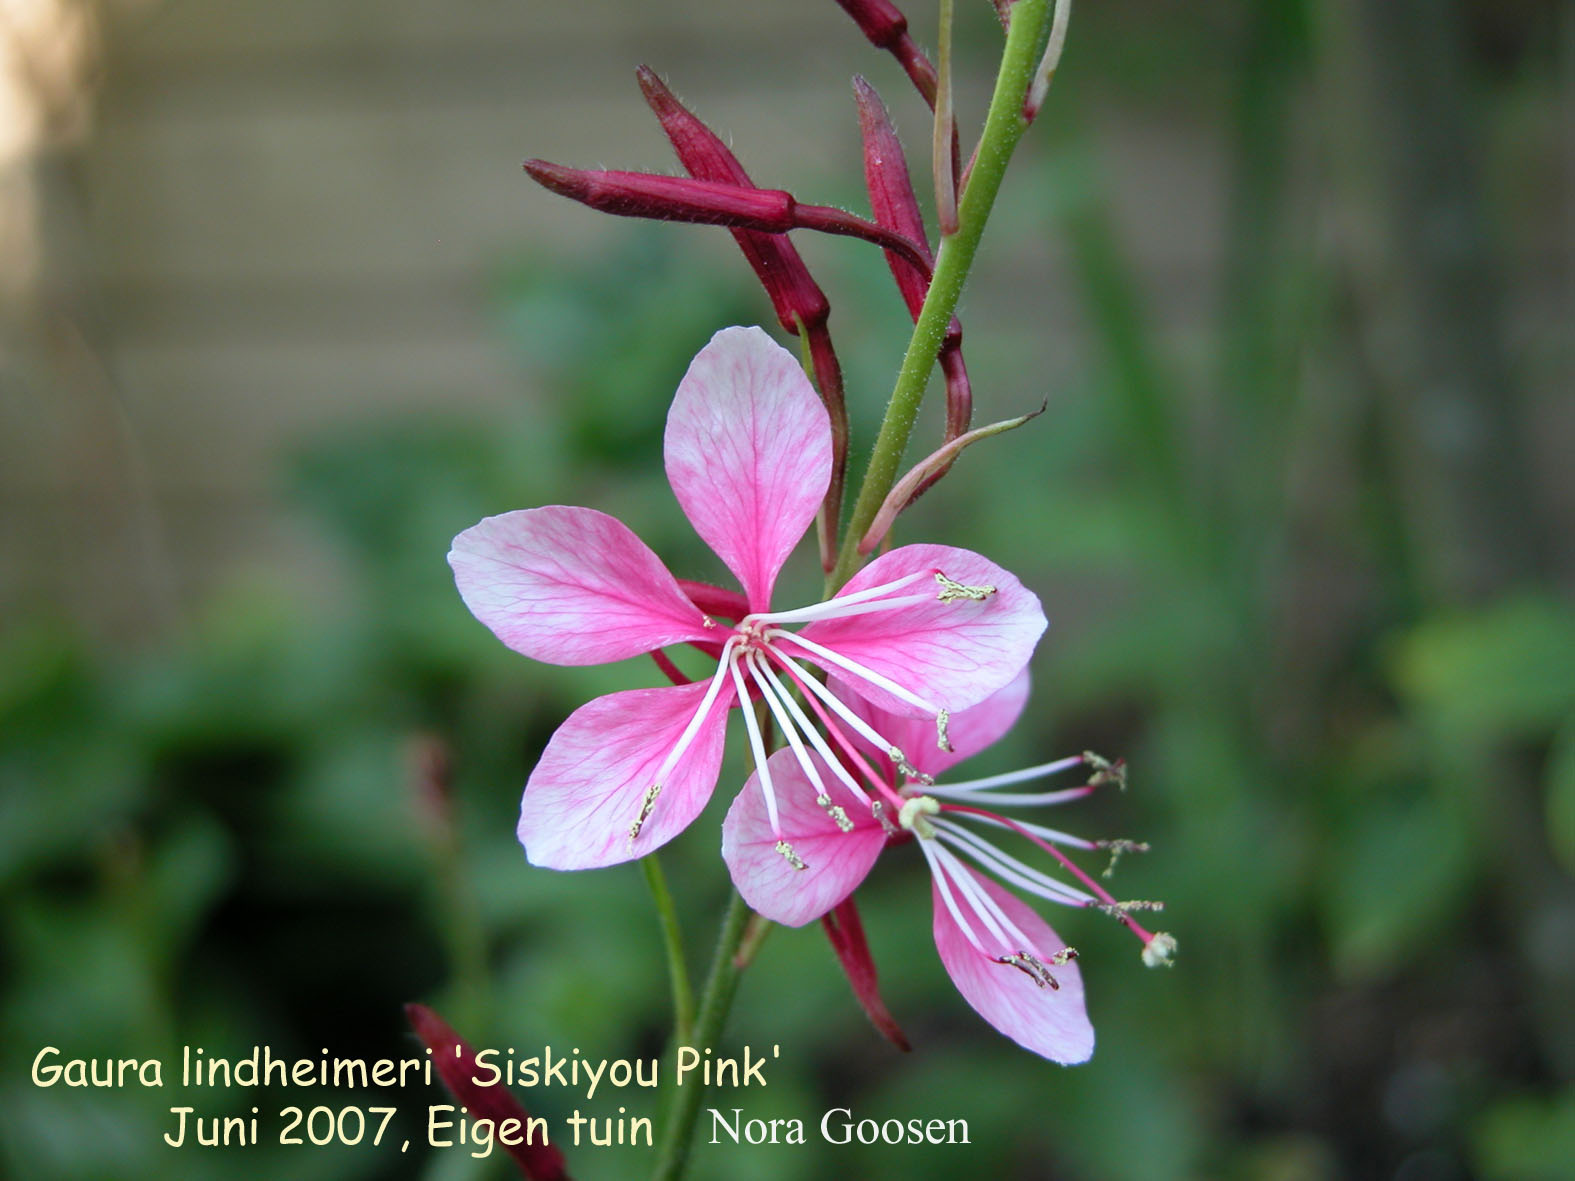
x: 748, y: 450
x: 834, y: 861
x: 1051, y: 1022
x: 591, y: 782
x: 970, y: 731
x: 952, y: 653
x: 571, y: 586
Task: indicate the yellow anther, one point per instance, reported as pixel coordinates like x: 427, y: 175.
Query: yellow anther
x: 952, y: 590
x: 942, y: 739
x: 645, y: 810
x: 793, y: 858
x: 909, y: 771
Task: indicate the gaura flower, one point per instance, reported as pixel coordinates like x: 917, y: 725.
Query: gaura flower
x: 1005, y: 960
x: 923, y: 631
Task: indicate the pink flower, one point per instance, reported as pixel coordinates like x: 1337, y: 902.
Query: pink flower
x: 923, y: 631
x: 1004, y: 959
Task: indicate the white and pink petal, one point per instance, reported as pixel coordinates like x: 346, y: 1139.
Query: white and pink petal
x: 952, y: 653
x: 748, y: 452
x: 571, y: 585
x: 1052, y: 1022
x: 592, y: 782
x: 834, y: 861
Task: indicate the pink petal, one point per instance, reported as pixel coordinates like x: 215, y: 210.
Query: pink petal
x: 835, y: 861
x: 748, y: 451
x: 970, y: 731
x: 954, y: 654
x: 590, y: 785
x: 1051, y: 1022
x: 571, y: 586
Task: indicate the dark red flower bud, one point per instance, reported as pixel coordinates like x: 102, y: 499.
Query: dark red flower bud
x: 846, y: 932
x: 794, y: 295
x: 895, y: 207
x: 456, y: 1066
x: 668, y: 198
x: 890, y: 187
x: 886, y: 28
x: 705, y: 202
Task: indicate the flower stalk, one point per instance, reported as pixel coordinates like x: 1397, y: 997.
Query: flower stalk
x: 1003, y: 129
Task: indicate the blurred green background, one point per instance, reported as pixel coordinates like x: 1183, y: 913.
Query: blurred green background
x: 280, y: 316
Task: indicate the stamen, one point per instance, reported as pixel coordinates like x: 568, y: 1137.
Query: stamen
x: 839, y: 609
x: 864, y: 596
x: 952, y: 590
x: 757, y: 748
x: 793, y: 858
x: 809, y: 730
x: 878, y: 810
x: 724, y: 661
x: 826, y: 655
x: 1106, y: 771
x: 784, y: 720
x: 1031, y: 966
x: 1009, y: 869
x: 1039, y: 772
x: 845, y: 712
x: 1028, y: 829
x: 1015, y: 799
x: 1118, y: 847
x: 1123, y: 910
x: 838, y: 814
x: 931, y: 851
x: 996, y: 919
x: 1067, y: 863
x: 941, y: 739
x: 645, y: 810
x: 909, y: 771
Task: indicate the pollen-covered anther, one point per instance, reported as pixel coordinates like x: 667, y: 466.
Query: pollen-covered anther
x: 909, y: 771
x: 1160, y: 951
x: 793, y: 858
x: 1117, y: 849
x: 707, y: 622
x: 953, y: 591
x: 646, y: 805
x: 1106, y: 770
x: 878, y: 810
x: 1121, y: 910
x: 1031, y: 966
x: 942, y: 739
x: 915, y: 814
x: 839, y: 817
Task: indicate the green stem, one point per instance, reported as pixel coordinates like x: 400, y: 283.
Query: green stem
x: 1003, y: 128
x: 715, y: 1001
x: 673, y: 941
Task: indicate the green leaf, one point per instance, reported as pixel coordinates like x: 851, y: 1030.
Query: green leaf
x: 1505, y: 671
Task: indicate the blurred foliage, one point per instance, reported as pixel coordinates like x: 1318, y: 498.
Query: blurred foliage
x: 1359, y: 780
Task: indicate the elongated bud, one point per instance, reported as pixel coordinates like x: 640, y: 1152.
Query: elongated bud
x: 801, y: 306
x: 886, y: 28
x: 794, y: 295
x: 668, y: 198
x: 893, y: 204
x: 713, y: 203
x: 846, y: 933
x: 455, y: 1062
x: 890, y: 187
